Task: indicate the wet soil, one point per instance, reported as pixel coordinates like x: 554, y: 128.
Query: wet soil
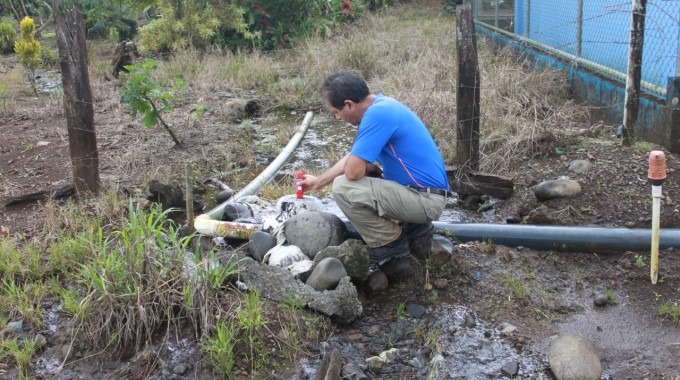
x: 540, y: 293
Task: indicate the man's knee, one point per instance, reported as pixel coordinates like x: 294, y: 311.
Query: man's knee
x: 340, y: 184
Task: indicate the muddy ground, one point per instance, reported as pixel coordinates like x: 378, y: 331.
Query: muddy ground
x: 632, y: 339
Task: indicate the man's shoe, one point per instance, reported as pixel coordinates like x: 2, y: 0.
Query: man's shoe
x: 393, y: 250
x: 421, y: 247
x: 399, y: 269
x: 420, y: 238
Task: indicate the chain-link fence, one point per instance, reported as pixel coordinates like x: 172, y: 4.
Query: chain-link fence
x: 593, y: 33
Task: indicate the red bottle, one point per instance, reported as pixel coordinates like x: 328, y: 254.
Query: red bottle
x: 299, y: 191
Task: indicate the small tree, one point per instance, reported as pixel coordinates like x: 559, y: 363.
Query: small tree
x: 148, y: 97
x: 28, y: 50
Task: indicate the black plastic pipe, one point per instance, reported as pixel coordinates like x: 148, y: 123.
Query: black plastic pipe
x: 560, y: 238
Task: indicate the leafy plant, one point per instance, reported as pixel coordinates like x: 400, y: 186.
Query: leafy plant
x: 401, y: 310
x: 187, y: 23
x: 670, y: 309
x: 7, y: 36
x: 27, y: 50
x: 611, y: 297
x: 150, y: 97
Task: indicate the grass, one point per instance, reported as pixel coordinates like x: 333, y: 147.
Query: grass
x: 519, y: 288
x: 611, y: 297
x: 22, y: 353
x: 670, y: 309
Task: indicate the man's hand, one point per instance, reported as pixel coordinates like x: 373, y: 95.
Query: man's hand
x: 311, y: 182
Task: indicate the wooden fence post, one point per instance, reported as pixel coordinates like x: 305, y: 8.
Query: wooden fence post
x: 467, y: 94
x: 77, y: 97
x: 632, y: 102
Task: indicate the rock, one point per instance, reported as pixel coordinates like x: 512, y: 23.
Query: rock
x: 601, y: 299
x: 557, y: 188
x: 327, y: 274
x: 8, y: 331
x: 507, y: 329
x: 39, y: 340
x: 354, y: 257
x: 67, y: 352
x: 375, y: 364
x: 241, y: 108
x: 313, y: 231
x: 283, y: 256
x: 470, y: 321
x: 168, y: 195
x: 277, y: 284
x: 389, y: 356
x: 440, y: 283
x: 260, y: 243
x: 511, y: 369
x: 472, y: 201
x: 513, y: 220
x: 179, y: 369
x: 302, y: 269
x: 580, y: 166
x: 414, y: 310
x: 237, y: 210
x: 374, y: 330
x: 352, y: 371
x: 417, y: 362
x: 330, y: 367
x: 224, y: 195
x: 540, y: 215
x: 573, y: 357
x: 377, y: 282
x: 289, y: 206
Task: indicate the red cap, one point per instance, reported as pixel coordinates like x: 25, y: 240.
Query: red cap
x: 657, y: 165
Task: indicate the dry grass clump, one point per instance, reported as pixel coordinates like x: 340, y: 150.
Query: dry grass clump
x: 525, y: 110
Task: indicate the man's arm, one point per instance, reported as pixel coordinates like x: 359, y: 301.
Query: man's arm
x: 352, y: 167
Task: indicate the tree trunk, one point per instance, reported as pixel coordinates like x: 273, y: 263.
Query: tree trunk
x: 77, y: 97
x: 467, y: 94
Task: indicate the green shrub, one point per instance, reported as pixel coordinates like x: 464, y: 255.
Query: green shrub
x: 188, y: 23
x: 276, y: 23
x: 28, y: 49
x: 7, y: 36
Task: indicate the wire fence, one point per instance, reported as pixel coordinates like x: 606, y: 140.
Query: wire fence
x: 593, y: 33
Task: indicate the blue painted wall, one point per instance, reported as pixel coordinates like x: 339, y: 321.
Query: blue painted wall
x: 606, y: 32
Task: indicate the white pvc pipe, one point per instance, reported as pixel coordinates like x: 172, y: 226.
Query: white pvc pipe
x: 656, y: 214
x: 210, y: 224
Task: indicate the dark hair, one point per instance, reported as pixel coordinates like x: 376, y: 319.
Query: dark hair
x: 342, y: 86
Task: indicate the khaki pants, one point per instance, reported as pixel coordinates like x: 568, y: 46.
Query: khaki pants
x: 376, y: 206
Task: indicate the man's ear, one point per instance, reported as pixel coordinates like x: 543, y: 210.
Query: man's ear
x: 349, y: 103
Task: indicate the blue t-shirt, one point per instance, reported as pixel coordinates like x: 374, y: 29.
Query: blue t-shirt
x: 393, y: 135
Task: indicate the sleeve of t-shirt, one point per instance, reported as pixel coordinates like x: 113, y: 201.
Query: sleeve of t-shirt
x: 373, y: 134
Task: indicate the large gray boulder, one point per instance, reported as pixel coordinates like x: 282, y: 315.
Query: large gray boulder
x: 353, y: 254
x: 278, y: 284
x: 557, y: 188
x: 573, y: 357
x: 313, y: 231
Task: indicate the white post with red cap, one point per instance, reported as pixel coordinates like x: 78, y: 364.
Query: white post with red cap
x: 656, y: 175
